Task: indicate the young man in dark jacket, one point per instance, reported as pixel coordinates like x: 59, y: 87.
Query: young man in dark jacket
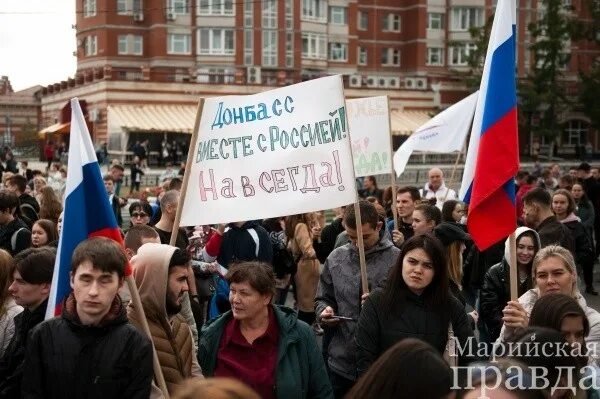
x: 28, y: 205
x: 91, y: 350
x: 15, y: 236
x: 30, y: 289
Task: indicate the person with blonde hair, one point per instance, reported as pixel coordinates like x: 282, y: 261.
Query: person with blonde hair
x: 8, y: 307
x: 553, y: 271
x: 215, y: 388
x: 50, y: 205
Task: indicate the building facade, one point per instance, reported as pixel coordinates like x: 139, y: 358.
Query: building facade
x: 170, y: 52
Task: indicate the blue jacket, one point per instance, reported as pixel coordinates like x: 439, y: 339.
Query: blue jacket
x: 300, y: 368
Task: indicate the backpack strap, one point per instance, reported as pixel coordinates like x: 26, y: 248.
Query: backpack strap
x: 254, y: 236
x: 13, y: 238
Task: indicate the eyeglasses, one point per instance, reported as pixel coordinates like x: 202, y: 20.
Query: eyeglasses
x: 139, y: 214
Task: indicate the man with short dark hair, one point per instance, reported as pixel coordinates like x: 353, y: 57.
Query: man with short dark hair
x: 537, y: 213
x: 30, y: 289
x: 339, y: 291
x: 161, y: 273
x: 115, y: 201
x: 15, y: 236
x: 28, y: 205
x: 117, y: 172
x: 135, y: 237
x: 90, y: 350
x: 406, y: 199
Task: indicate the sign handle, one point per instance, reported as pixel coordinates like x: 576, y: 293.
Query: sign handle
x: 361, y: 250
x: 392, y: 172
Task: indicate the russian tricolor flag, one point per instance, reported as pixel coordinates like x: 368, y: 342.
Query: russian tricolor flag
x: 493, y: 156
x: 87, y: 210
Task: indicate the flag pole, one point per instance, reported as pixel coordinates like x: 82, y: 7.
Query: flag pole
x: 452, y: 175
x: 361, y: 249
x: 392, y: 172
x: 186, y: 174
x: 514, y: 291
x: 137, y: 306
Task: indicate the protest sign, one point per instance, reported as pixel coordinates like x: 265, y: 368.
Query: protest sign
x: 369, y: 122
x: 280, y: 152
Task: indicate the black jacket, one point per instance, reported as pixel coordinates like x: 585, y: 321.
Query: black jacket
x: 584, y: 254
x: 66, y: 359
x: 22, y: 239
x: 553, y: 232
x: 239, y: 246
x: 328, y: 236
x: 379, y: 329
x: 29, y: 208
x: 494, y: 295
x: 11, y: 363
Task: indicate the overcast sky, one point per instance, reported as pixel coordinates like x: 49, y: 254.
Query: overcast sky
x: 37, y: 41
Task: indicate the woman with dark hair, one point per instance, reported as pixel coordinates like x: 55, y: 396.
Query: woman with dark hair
x: 140, y: 213
x: 427, y: 377
x: 425, y: 218
x: 563, y: 206
x: 583, y: 208
x: 261, y: 344
x: 415, y: 303
x: 298, y: 229
x: 43, y: 232
x: 8, y: 307
x: 495, y: 292
x: 453, y: 211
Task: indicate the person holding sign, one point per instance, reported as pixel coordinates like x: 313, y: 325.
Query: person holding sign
x: 339, y: 293
x: 406, y: 199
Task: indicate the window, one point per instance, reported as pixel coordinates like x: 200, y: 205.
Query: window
x: 179, y: 43
x: 215, y: 41
x: 338, y: 15
x: 362, y: 56
x: 390, y: 23
x: 248, y: 47
x: 314, y: 46
x: 128, y: 7
x: 131, y: 44
x: 435, y: 20
x: 390, y: 57
x: 435, y: 56
x: 248, y: 13
x: 289, y: 33
x: 459, y: 54
x: 216, y: 7
x: 575, y: 133
x: 363, y: 20
x: 338, y: 52
x: 89, y: 8
x: 91, y: 45
x: 178, y: 7
x: 314, y: 10
x: 464, y: 18
x: 269, y: 53
x: 269, y: 14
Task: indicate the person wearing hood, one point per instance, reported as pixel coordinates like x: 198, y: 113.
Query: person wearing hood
x: 563, y: 206
x: 91, y: 350
x: 260, y: 344
x: 553, y: 271
x: 339, y: 290
x: 495, y: 292
x: 161, y: 275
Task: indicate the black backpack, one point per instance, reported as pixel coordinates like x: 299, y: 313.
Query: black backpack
x: 283, y: 262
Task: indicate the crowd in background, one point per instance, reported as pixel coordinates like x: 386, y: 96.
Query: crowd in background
x: 234, y: 310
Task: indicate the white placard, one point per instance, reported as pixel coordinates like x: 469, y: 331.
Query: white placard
x: 280, y: 152
x: 369, y: 120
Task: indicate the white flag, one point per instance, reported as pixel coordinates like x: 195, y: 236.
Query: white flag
x: 445, y: 132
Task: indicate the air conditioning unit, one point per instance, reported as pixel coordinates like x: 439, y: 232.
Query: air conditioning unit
x: 355, y: 81
x: 94, y: 115
x: 393, y: 83
x: 372, y: 81
x: 409, y: 83
x: 420, y: 83
x: 138, y: 17
x: 171, y: 16
x: 253, y: 75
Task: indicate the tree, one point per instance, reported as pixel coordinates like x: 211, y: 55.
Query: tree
x: 543, y: 91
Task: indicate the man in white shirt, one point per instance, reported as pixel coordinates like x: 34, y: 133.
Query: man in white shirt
x: 436, y: 189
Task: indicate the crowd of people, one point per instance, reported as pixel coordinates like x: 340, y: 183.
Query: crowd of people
x: 275, y: 308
